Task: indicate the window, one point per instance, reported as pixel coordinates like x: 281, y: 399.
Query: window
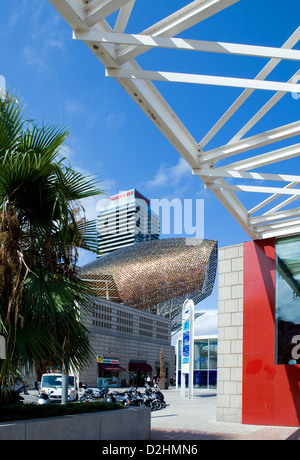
x: 287, y: 309
x: 201, y: 353
x: 55, y: 381
x: 205, y: 362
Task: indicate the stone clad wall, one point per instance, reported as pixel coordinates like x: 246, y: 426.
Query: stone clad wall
x: 230, y: 334
x: 132, y: 423
x: 127, y: 334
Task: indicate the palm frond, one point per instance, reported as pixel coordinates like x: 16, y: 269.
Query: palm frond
x: 45, y: 142
x: 11, y: 122
x: 42, y: 194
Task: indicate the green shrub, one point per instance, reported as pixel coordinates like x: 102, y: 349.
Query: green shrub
x: 16, y: 412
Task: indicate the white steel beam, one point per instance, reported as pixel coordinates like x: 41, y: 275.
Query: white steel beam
x: 271, y: 217
x: 261, y: 113
x: 203, y: 80
x: 156, y: 108
x: 236, y: 174
x: 95, y: 14
x: 272, y: 198
x: 290, y: 43
x: 72, y: 12
x: 123, y: 17
x: 144, y: 94
x: 252, y: 189
x: 188, y: 16
x: 234, y: 206
x: 278, y: 232
x: 265, y: 159
x: 177, y: 77
x: 278, y: 225
x: 285, y: 203
x: 253, y: 142
x: 178, y: 22
x: 117, y: 50
x: 151, y: 41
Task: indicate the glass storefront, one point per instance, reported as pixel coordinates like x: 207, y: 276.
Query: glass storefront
x: 205, y: 362
x: 108, y: 371
x: 287, y: 304
x: 107, y: 379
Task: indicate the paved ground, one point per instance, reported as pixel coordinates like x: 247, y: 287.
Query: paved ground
x: 195, y: 419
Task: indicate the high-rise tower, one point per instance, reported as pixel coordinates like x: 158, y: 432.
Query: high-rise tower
x: 126, y: 220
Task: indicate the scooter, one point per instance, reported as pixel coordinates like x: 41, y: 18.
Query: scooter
x: 44, y: 398
x: 117, y: 397
x: 136, y: 398
x: 159, y: 395
x: 151, y: 401
x: 91, y: 394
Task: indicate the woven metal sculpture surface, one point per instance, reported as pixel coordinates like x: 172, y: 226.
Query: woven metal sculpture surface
x: 157, y: 275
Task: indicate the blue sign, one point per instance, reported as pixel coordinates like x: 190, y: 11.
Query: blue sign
x: 186, y: 347
x: 186, y: 325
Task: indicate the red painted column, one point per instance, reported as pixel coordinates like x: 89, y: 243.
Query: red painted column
x: 271, y: 393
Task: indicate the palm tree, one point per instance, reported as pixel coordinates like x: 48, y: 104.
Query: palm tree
x: 42, y: 224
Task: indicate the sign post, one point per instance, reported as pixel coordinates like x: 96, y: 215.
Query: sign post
x: 187, y: 364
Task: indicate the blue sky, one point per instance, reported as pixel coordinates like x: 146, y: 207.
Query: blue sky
x: 62, y: 82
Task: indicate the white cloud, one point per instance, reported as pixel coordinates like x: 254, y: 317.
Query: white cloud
x: 80, y: 109
x: 206, y: 324
x: 17, y: 14
x: 169, y: 175
x: 115, y: 120
x: 45, y: 34
x: 33, y: 58
x: 84, y: 257
x: 92, y: 205
x: 66, y: 152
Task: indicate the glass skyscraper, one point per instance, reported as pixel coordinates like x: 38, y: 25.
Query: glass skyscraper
x: 126, y: 220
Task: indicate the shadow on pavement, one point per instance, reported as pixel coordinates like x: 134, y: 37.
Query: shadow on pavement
x: 206, y: 396
x: 183, y: 435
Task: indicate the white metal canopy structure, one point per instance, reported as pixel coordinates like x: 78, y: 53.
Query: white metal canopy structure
x: 228, y: 169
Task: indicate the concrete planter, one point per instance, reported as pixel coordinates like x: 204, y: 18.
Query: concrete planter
x: 124, y: 424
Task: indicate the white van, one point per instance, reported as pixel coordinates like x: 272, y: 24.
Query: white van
x: 51, y: 384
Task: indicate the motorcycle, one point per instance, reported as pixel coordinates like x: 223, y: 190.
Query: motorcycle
x: 90, y: 394
x: 116, y: 397
x: 160, y: 396
x: 151, y: 401
x: 132, y: 397
x: 135, y: 397
x: 44, y: 398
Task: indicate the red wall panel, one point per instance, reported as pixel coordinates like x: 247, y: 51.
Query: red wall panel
x: 271, y: 393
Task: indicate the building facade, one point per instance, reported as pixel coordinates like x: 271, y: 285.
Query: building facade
x: 230, y: 334
x: 259, y: 332
x: 156, y: 276
x: 127, y: 344
x: 205, y: 361
x: 126, y: 220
